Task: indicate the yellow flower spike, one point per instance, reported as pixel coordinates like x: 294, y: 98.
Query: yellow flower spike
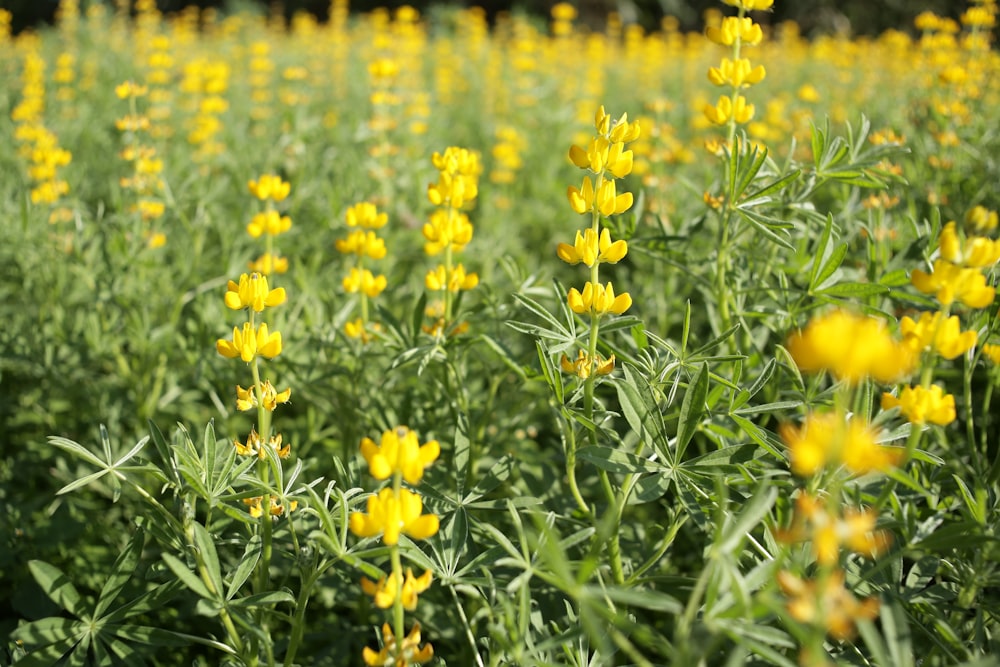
x: 829, y: 438
x: 248, y: 343
x: 386, y: 590
x: 268, y: 264
x: 813, y: 522
x: 269, y: 222
x: 851, y: 347
x: 834, y: 605
x: 366, y: 215
x: 363, y: 280
x: 602, y: 121
x: 252, y: 292
x: 270, y: 187
x: 948, y: 282
x: 921, y: 405
x: 975, y: 252
x: 931, y: 333
x: 389, y: 515
x: 410, y: 653
x: 399, y: 451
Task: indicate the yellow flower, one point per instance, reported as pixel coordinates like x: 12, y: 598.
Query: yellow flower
x: 852, y: 347
x: 362, y: 280
x: 606, y: 200
x: 270, y: 187
x: 246, y: 399
x: 253, y: 446
x: 248, y: 343
x: 834, y: 607
x: 948, y: 282
x: 256, y: 509
x: 603, y: 155
x: 268, y: 222
x: 267, y: 264
x: 734, y: 28
x: 410, y: 653
x: 598, y: 300
x: 362, y: 243
x: 253, y: 292
x: 584, y: 366
x: 725, y: 109
x: 445, y: 230
x: 590, y: 249
x: 389, y: 515
x: 827, y: 532
x: 457, y: 179
x: 750, y: 5
x: 975, y: 252
x: 992, y: 352
x: 384, y: 592
x: 399, y: 451
x: 130, y: 89
x: 366, y: 215
x: 438, y: 279
x: 921, y: 405
x: 830, y: 438
x: 738, y: 74
x: 981, y: 219
x: 930, y: 332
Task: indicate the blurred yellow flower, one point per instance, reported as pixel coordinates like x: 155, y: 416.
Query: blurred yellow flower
x: 409, y: 653
x: 270, y: 187
x: 385, y: 591
x: 948, y: 282
x: 390, y: 514
x: 921, y: 405
x: 931, y: 332
x: 399, y: 451
x: 589, y: 248
x: 247, y: 343
x: 830, y: 438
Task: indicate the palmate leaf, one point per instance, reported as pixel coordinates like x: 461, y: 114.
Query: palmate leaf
x: 57, y: 586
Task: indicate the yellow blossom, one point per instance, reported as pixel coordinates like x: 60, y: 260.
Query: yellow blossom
x: 268, y: 222
x: 834, y: 607
x: 598, y: 300
x: 948, y: 282
x: 268, y: 264
x: 248, y: 343
x: 457, y: 280
x: 246, y: 399
x: 399, y: 451
x: 931, y: 332
x: 750, y: 5
x: 270, y: 187
x: 726, y: 109
x: 255, y: 506
x: 734, y: 28
x: 366, y: 215
x: 738, y: 74
x: 992, y: 352
x: 589, y: 248
x: 363, y: 280
x: 921, y: 405
x: 385, y: 591
x: 410, y: 653
x: 852, y: 347
x: 390, y: 514
x: 445, y: 230
x: 605, y: 200
x: 254, y: 446
x: 130, y: 89
x: 584, y: 366
x: 975, y: 252
x: 981, y: 219
x: 252, y: 292
x: 831, y: 439
x: 856, y: 529
x: 362, y: 243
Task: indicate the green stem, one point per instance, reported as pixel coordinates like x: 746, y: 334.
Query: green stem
x: 298, y: 619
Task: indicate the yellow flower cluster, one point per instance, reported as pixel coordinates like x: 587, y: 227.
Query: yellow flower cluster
x: 957, y: 272
x: 737, y: 72
x: 448, y: 230
x: 363, y: 242
x: 145, y: 180
x: 205, y: 82
x: 270, y: 189
x: 393, y: 511
x: 37, y: 144
x: 606, y: 159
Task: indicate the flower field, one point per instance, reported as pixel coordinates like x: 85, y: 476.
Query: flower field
x: 409, y: 339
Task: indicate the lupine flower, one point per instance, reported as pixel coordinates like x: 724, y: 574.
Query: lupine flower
x: 384, y: 592
x: 253, y: 292
x: 981, y: 219
x: 992, y: 352
x: 584, y: 366
x: 948, y: 283
x: 363, y: 280
x: 248, y: 343
x: 975, y: 252
x: 943, y: 336
x: 366, y: 215
x: 256, y: 509
x: 738, y: 74
x: 852, y: 347
x: 410, y: 653
x: 733, y: 28
x: 268, y: 264
x: 828, y: 532
x: 589, y: 248
x: 445, y: 230
x: 606, y: 200
x: 399, y: 451
x: 254, y: 447
x: 831, y: 439
x: 921, y: 405
x: 437, y: 279
x: 270, y: 187
x: 268, y: 222
x: 389, y: 515
x: 835, y: 608
x: 362, y: 243
x: 750, y: 5
x: 246, y: 399
x: 725, y: 109
x: 598, y: 300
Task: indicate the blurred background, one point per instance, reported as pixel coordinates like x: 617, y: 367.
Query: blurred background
x: 846, y: 17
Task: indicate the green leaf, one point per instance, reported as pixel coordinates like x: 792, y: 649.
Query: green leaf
x: 57, y: 586
x: 49, y: 631
x: 618, y: 461
x: 779, y: 406
x: 651, y: 487
x: 264, y: 599
x: 498, y: 474
x: 692, y: 409
x: 47, y: 656
x: 829, y: 267
x: 147, y: 635
x: 77, y: 449
x: 461, y: 453
x: 896, y: 278
x: 124, y: 567
x: 189, y: 578
x: 854, y: 290
x: 209, y: 556
x: 753, y: 513
x: 246, y: 566
x: 209, y: 444
x: 763, y: 438
x: 638, y: 597
x: 641, y: 412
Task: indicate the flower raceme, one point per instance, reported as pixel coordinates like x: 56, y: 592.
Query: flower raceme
x: 738, y: 74
x: 252, y: 292
x: 814, y: 522
x: 726, y: 109
x: 248, y: 343
x: 598, y: 300
x: 832, y: 605
x: 584, y: 366
x: 268, y: 222
x: 604, y: 155
x: 390, y: 515
x: 589, y: 248
x: 851, y: 347
x: 457, y: 179
x: 399, y: 451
